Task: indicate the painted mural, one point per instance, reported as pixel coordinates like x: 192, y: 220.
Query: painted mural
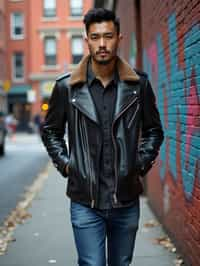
x: 177, y: 82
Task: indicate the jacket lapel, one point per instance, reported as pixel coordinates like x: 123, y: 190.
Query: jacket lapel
x: 126, y: 94
x: 82, y: 99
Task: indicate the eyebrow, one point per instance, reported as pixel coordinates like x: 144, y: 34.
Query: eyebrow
x: 104, y: 33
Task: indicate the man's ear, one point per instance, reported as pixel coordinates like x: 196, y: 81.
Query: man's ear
x: 120, y: 37
x: 85, y: 37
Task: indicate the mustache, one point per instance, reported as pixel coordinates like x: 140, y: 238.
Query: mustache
x: 102, y: 50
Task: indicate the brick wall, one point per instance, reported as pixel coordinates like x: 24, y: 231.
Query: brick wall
x: 171, y: 57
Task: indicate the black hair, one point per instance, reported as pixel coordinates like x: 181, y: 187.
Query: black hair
x: 99, y: 15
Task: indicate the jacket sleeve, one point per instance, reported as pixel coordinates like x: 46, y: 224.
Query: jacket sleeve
x: 152, y: 134
x: 54, y: 128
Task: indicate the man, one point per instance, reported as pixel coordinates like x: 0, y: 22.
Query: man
x: 114, y: 133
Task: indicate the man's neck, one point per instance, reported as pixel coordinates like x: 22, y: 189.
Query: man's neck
x: 104, y: 72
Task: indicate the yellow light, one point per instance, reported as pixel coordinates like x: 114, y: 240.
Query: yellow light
x: 45, y: 106
x: 6, y: 85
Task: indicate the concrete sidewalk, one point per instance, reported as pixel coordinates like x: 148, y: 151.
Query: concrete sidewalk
x: 46, y: 238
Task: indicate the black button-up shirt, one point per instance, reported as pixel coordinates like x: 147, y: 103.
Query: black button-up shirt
x: 105, y: 99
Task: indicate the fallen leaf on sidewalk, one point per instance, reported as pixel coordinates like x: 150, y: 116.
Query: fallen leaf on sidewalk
x: 51, y: 261
x: 4, y: 242
x: 10, y: 224
x: 165, y: 242
x: 178, y: 262
x: 17, y: 216
x: 20, y: 213
x: 151, y: 223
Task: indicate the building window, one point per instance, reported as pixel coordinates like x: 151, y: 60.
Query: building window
x: 49, y: 8
x: 50, y: 51
x: 18, y: 66
x: 17, y: 25
x: 77, y: 49
x: 76, y: 7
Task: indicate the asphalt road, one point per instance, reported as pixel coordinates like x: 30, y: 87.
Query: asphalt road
x: 25, y: 158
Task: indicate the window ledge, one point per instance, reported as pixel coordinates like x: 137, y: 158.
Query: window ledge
x: 53, y: 67
x: 74, y: 18
x: 49, y: 19
x: 17, y: 38
x: 18, y: 80
x: 71, y: 66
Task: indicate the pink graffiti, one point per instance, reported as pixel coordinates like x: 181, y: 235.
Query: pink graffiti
x: 152, y: 55
x: 193, y: 111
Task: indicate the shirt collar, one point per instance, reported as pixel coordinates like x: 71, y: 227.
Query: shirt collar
x: 91, y: 76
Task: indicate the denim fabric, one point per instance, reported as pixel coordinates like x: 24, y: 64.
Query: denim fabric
x: 92, y: 227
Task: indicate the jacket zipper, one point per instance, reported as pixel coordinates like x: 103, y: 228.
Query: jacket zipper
x: 115, y: 145
x: 133, y: 117
x: 89, y: 165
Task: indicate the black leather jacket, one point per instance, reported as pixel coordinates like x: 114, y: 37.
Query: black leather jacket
x: 136, y: 134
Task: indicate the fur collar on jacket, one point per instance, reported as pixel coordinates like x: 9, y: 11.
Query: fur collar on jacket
x: 79, y: 75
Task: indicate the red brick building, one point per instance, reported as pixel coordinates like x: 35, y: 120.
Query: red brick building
x: 18, y: 58
x: 3, y: 103
x: 163, y: 39
x: 56, y: 42
x: 45, y: 39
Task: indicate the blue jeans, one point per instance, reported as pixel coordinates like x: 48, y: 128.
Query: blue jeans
x: 92, y: 227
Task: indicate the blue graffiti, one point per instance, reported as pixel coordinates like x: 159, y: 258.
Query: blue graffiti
x: 174, y: 88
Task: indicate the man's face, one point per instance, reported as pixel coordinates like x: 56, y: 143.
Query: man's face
x: 103, y: 41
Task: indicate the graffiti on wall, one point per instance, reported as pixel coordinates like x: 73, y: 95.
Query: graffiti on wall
x: 178, y: 100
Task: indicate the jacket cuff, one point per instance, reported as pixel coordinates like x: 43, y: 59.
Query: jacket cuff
x: 61, y: 167
x: 143, y: 167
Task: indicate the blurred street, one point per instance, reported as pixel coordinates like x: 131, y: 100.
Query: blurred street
x: 24, y: 159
